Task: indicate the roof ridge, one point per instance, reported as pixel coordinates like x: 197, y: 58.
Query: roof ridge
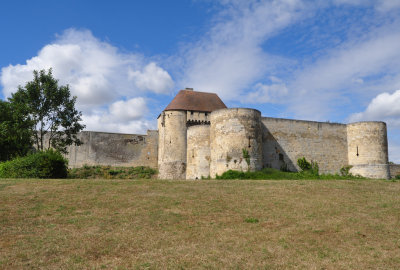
x: 190, y: 100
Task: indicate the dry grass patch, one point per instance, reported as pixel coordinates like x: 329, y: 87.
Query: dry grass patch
x: 150, y: 224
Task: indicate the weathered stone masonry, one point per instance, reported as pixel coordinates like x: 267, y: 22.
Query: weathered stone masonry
x: 198, y: 136
x: 185, y: 150
x: 101, y: 148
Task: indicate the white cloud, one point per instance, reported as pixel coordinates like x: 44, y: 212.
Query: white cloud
x: 273, y: 93
x: 362, y: 67
x: 387, y: 5
x: 98, y: 74
x: 131, y: 109
x: 124, y: 116
x: 152, y: 78
x: 95, y: 70
x: 384, y: 107
x: 230, y: 57
x: 99, y: 122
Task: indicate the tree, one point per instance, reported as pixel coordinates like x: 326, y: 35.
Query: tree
x: 52, y: 110
x: 15, y: 131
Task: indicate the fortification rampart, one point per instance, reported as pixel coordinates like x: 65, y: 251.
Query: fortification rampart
x: 172, y: 145
x: 101, y: 148
x: 198, y: 152
x: 198, y: 136
x: 368, y: 149
x: 286, y: 140
x: 236, y: 140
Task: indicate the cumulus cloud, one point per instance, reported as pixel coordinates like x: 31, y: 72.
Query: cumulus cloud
x: 98, y: 74
x: 152, y: 78
x: 384, y: 107
x: 124, y: 116
x: 95, y: 70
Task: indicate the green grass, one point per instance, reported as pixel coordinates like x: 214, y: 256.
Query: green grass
x: 273, y: 174
x: 154, y: 224
x: 108, y: 172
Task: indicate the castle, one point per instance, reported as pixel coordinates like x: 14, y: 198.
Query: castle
x: 198, y: 136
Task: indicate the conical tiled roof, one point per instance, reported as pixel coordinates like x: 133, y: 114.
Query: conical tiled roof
x: 189, y: 100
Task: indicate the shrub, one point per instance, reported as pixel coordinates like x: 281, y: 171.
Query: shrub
x: 46, y: 164
x: 398, y: 176
x: 308, y: 167
x: 246, y: 156
x: 304, y: 164
x: 345, y: 170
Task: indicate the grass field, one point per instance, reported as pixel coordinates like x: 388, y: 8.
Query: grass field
x: 208, y: 224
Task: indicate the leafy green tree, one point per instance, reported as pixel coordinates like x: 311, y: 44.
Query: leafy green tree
x: 52, y: 110
x: 15, y: 131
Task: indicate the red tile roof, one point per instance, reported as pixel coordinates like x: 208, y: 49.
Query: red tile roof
x: 189, y: 100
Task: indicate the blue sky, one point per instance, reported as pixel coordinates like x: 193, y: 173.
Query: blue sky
x: 334, y: 60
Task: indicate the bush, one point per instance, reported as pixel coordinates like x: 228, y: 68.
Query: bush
x: 307, y: 167
x: 46, y: 164
x: 345, y: 170
x: 304, y: 164
x: 398, y: 176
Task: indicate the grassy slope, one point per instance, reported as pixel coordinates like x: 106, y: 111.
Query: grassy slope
x: 146, y: 224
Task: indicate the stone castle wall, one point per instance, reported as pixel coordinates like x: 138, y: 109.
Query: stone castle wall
x: 368, y: 149
x: 198, y: 152
x: 172, y: 145
x: 194, y: 145
x: 286, y: 140
x: 101, y: 148
x: 232, y: 132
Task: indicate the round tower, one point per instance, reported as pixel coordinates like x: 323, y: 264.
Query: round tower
x: 198, y: 152
x: 368, y: 149
x: 172, y: 145
x: 236, y: 140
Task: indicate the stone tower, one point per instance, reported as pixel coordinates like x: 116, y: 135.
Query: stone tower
x: 236, y: 140
x: 368, y: 149
x: 188, y: 108
x: 198, y: 136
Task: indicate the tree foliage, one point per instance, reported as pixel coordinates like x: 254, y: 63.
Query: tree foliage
x: 52, y: 111
x: 15, y: 131
x: 46, y: 164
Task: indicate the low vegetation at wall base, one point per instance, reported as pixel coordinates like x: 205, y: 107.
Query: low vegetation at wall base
x: 273, y: 174
x: 308, y: 167
x: 46, y: 164
x: 109, y: 172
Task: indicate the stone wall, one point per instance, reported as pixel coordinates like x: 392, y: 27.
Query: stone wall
x: 195, y: 117
x: 285, y: 141
x: 101, y: 148
x: 172, y: 145
x: 368, y: 149
x: 394, y: 170
x: 198, y: 152
x: 232, y: 132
